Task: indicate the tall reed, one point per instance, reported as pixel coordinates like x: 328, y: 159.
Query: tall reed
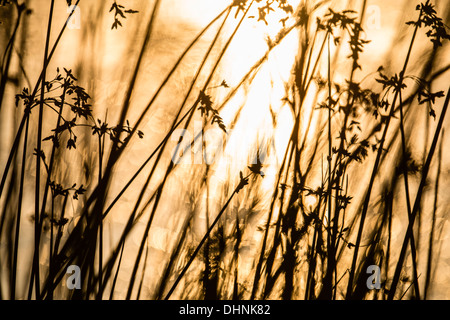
x: 311, y: 234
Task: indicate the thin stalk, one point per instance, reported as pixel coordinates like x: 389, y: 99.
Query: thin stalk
x: 115, y: 150
x: 50, y: 256
x: 50, y: 171
x: 28, y: 108
x: 141, y: 118
x: 270, y: 280
x: 207, y: 270
x: 143, y: 273
x: 60, y: 226
x: 205, y: 237
x: 14, y: 147
x: 6, y: 61
x: 316, y: 64
x: 290, y: 256
x: 171, y: 165
x: 133, y: 79
x: 3, y: 220
x: 165, y: 139
x: 172, y: 71
x: 407, y: 289
x: 120, y: 247
x: 113, y: 286
x: 174, y: 125
x: 236, y: 259
x: 375, y: 168
x: 100, y: 236
x: 417, y: 202
x: 19, y: 213
x: 330, y: 245
x: 408, y: 202
x: 254, y: 68
x: 37, y: 225
x: 143, y: 242
x: 339, y: 168
x: 274, y: 196
x: 433, y: 221
x: 171, y: 261
x: 269, y: 218
x: 308, y: 63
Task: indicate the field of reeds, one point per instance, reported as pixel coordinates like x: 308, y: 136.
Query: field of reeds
x: 232, y: 149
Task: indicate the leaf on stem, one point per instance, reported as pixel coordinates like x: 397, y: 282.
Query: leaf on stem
x: 242, y: 183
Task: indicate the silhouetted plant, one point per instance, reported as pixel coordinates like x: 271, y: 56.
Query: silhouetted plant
x: 119, y: 12
x: 304, y: 249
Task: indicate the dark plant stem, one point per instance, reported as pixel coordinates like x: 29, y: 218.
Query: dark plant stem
x: 14, y: 147
x: 328, y: 279
x: 173, y: 258
x: 115, y: 150
x: 175, y: 125
x: 417, y: 202
x: 404, y: 166
x: 37, y: 222
x: 171, y: 165
x: 6, y: 61
x: 28, y: 107
x: 206, y: 251
x: 433, y: 222
x: 236, y: 294
x: 113, y: 286
x: 60, y: 227
x: 50, y: 171
x: 19, y: 213
x: 375, y: 168
x: 171, y: 72
x: 339, y: 166
x: 206, y: 236
x: 100, y: 235
x: 269, y: 218
x: 143, y: 273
